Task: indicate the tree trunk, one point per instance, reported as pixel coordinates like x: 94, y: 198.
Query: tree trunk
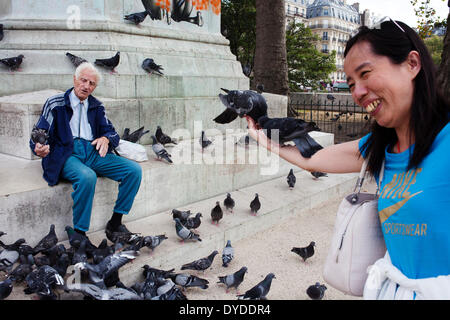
x: 270, y: 67
x: 444, y: 68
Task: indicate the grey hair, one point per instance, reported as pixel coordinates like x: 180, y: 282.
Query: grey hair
x: 90, y: 66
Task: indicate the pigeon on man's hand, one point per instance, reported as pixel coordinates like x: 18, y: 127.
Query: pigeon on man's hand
x: 39, y: 135
x: 227, y: 254
x: 316, y: 291
x: 47, y: 242
x: 234, y: 279
x: 204, y: 141
x: 150, y: 66
x: 240, y: 103
x: 290, y: 129
x: 184, y: 233
x: 200, y: 264
x: 291, y: 179
x: 76, y: 61
x: 137, y: 17
x: 109, y: 63
x: 255, y: 205
x: 13, y: 63
x: 163, y: 138
x: 305, y: 252
x: 229, y: 203
x: 160, y: 151
x: 216, y: 213
x: 260, y: 291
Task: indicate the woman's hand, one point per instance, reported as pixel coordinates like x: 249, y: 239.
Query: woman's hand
x: 257, y: 133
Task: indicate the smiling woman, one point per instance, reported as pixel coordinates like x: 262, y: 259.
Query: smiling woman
x: 392, y: 77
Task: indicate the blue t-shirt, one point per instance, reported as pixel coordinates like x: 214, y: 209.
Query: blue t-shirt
x: 414, y: 209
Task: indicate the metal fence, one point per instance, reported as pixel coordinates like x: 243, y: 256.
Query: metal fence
x: 346, y: 120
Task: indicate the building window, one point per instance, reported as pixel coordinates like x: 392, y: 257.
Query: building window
x: 325, y: 35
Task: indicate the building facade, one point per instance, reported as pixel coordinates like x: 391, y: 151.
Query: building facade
x: 333, y: 21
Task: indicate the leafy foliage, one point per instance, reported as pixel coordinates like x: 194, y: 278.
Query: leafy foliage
x: 306, y: 65
x: 427, y: 19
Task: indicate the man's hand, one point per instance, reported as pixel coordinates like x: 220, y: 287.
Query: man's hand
x: 42, y: 150
x: 101, y: 145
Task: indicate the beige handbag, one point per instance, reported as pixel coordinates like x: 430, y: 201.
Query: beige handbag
x: 357, y: 240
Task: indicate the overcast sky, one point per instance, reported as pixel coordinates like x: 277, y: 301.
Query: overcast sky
x: 399, y: 9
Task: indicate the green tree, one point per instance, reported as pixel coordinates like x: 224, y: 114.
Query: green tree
x: 435, y: 45
x: 426, y: 17
x: 238, y: 25
x: 306, y: 65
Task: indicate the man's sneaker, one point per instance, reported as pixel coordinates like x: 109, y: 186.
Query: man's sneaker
x: 76, y: 238
x: 121, y: 234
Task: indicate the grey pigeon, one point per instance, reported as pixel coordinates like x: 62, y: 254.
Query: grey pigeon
x: 5, y: 288
x: 10, y: 255
x: 216, y: 213
x: 227, y: 254
x: 193, y: 222
x: 164, y: 285
x: 2, y: 233
x: 112, y: 263
x: 292, y: 129
x: 240, y: 103
x: 330, y: 97
x: 260, y: 291
x: 159, y: 150
x: 76, y: 238
x: 102, y: 251
x: 184, y: 233
x: 200, y: 264
x: 291, y: 179
x: 229, y: 203
x: 39, y: 135
x: 42, y: 281
x: 204, y: 141
x: 1, y: 32
x: 76, y: 61
x: 137, y: 17
x: 80, y: 254
x: 152, y: 242
x: 187, y: 280
x: 135, y: 135
x: 109, y: 63
x: 255, y: 205
x: 62, y: 264
x: 47, y: 242
x: 234, y: 279
x: 97, y: 293
x: 174, y: 293
x: 305, y: 252
x: 13, y: 63
x: 316, y: 291
x: 21, y: 271
x: 150, y: 66
x: 181, y: 215
x: 318, y: 174
x: 163, y: 138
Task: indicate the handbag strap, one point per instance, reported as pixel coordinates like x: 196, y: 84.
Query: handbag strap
x: 362, y: 174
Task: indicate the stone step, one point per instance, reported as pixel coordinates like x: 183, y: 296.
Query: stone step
x: 28, y: 204
x: 278, y: 203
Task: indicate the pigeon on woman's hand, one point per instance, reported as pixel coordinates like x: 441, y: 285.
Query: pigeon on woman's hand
x: 240, y: 103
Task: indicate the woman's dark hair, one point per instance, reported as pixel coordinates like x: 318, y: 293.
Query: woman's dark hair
x: 429, y: 110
